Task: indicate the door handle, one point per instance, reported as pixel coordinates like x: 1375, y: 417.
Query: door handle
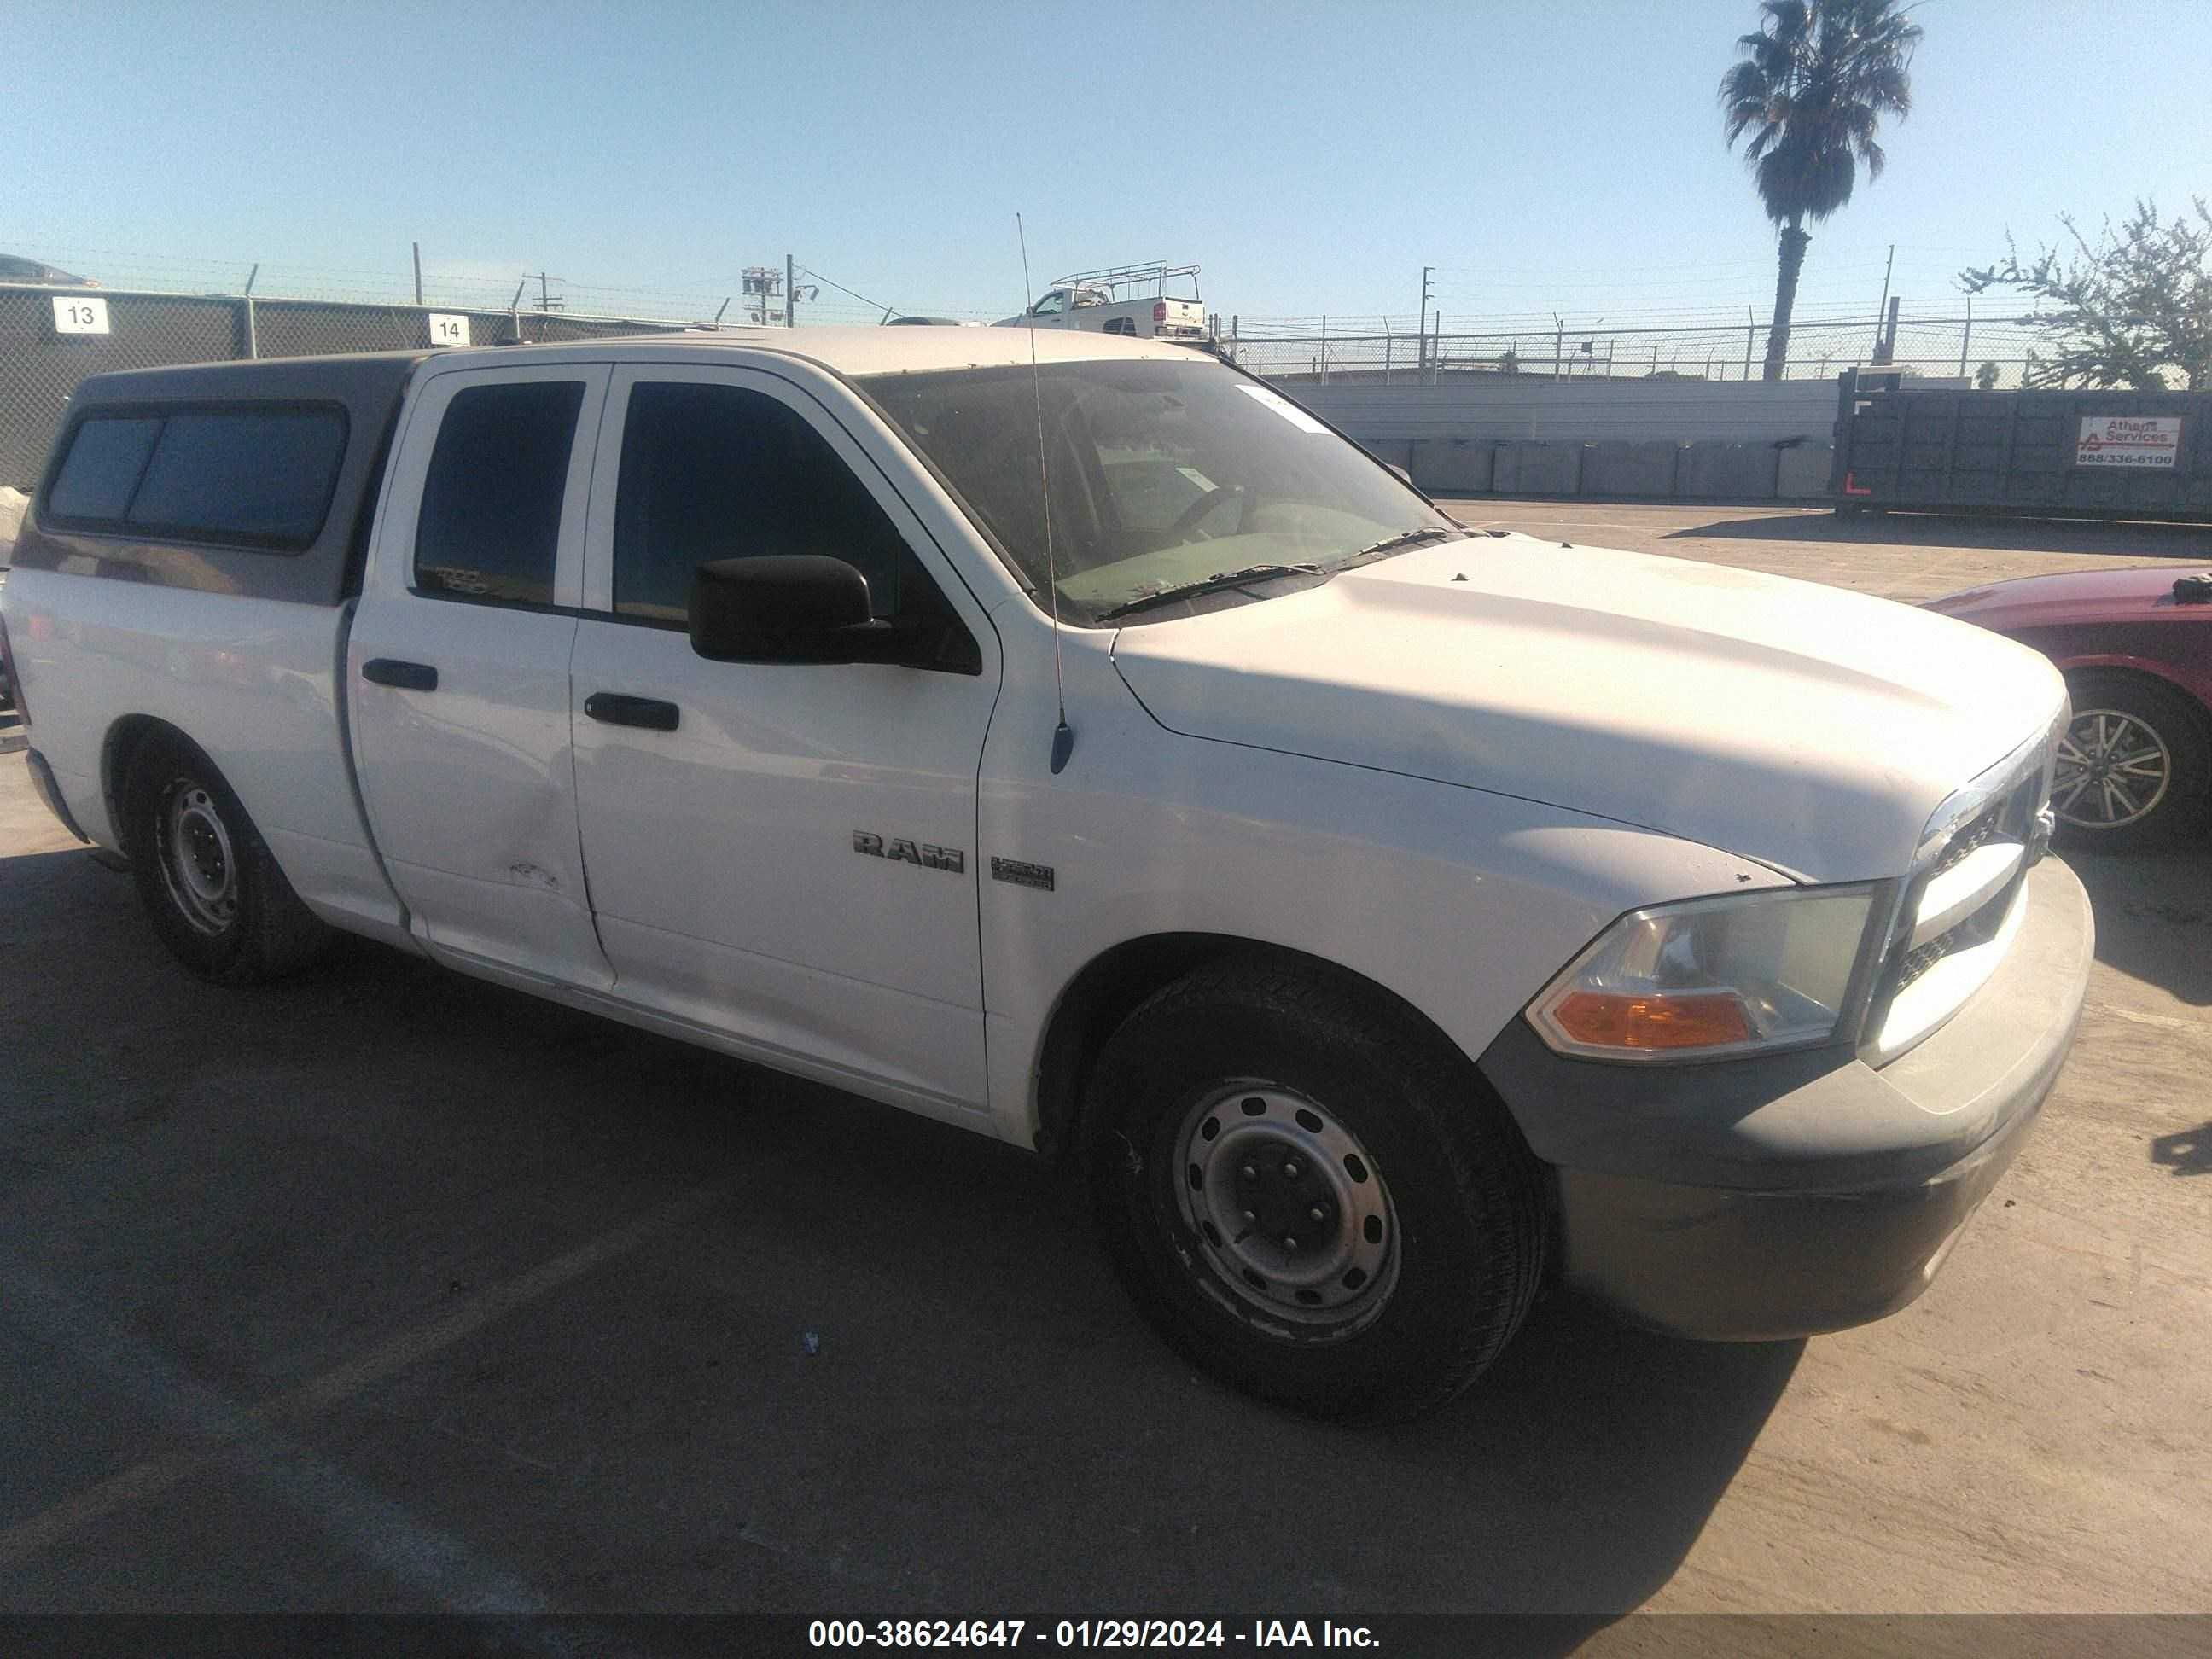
x: 614, y: 709
x: 407, y: 676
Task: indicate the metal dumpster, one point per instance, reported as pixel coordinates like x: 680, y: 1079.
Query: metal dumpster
x: 2056, y: 454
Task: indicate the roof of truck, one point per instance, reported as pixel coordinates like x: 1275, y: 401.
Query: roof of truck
x: 374, y: 379
x: 366, y: 381
x: 872, y: 349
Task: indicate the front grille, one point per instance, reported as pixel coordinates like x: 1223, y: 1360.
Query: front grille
x: 1983, y: 830
x: 1918, y: 963
x: 1977, y: 929
x: 2009, y: 816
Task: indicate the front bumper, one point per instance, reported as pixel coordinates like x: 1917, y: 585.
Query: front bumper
x: 1757, y: 1198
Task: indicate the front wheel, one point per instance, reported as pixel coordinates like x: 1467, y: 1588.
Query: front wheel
x: 209, y: 883
x: 1310, y: 1194
x: 2134, y: 766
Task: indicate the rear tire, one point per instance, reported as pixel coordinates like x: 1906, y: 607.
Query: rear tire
x: 2135, y: 767
x: 1311, y: 1194
x: 208, y: 882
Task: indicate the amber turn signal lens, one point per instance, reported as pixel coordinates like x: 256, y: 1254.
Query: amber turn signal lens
x: 1615, y: 1021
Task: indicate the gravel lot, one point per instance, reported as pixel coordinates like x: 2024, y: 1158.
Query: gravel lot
x: 388, y: 1289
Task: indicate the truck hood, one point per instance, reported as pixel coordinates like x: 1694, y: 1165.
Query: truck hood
x: 1812, y: 729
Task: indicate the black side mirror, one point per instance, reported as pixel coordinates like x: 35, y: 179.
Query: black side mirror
x: 788, y: 608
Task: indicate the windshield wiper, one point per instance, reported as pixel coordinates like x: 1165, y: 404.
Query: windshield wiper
x: 1409, y: 538
x: 1220, y: 579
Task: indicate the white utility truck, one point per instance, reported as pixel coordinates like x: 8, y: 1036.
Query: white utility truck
x: 1387, y: 919
x: 1131, y: 301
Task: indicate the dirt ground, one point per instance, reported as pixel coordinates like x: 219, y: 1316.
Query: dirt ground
x: 387, y: 1289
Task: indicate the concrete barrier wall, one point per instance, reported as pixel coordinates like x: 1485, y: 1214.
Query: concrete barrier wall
x: 1740, y: 471
x: 1538, y: 469
x: 1802, y: 471
x: 1525, y: 409
x: 1701, y: 471
x: 1523, y: 435
x: 1625, y: 469
x: 1448, y: 467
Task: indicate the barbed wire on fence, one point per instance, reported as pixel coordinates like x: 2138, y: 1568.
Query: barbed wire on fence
x: 1942, y: 347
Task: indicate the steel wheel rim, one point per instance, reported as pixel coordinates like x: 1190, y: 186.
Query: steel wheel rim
x: 1290, y: 1210
x: 197, y: 862
x: 2113, y: 769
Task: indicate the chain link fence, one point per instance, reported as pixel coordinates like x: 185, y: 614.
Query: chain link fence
x: 41, y: 360
x: 52, y: 337
x: 1947, y: 348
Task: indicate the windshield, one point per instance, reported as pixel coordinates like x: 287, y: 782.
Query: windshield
x: 1162, y: 474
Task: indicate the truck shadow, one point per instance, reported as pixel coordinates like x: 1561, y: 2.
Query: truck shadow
x: 2144, y: 540
x: 2154, y: 914
x: 886, y: 1372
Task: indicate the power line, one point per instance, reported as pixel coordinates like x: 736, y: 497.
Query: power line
x: 841, y: 288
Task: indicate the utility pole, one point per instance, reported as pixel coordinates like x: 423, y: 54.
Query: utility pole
x: 791, y: 292
x: 761, y: 285
x: 418, y: 272
x: 544, y: 281
x: 1886, y: 268
x: 1885, y: 343
x: 1427, y: 272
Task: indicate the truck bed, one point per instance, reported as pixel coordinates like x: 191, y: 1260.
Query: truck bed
x: 241, y: 646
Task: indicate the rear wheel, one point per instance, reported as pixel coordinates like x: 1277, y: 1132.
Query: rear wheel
x: 209, y: 883
x: 1310, y: 1193
x: 2134, y: 765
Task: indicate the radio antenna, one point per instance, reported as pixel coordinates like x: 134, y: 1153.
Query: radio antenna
x: 1063, y: 735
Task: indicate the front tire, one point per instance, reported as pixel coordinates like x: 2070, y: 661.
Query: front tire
x: 2134, y: 766
x: 209, y: 883
x: 1310, y: 1194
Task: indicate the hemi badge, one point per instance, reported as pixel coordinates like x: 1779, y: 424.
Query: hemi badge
x: 1022, y: 875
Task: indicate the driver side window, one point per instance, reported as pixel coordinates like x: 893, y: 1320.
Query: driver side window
x: 725, y: 473
x: 1051, y: 305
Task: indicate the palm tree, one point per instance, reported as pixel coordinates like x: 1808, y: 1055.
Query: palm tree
x: 1813, y: 85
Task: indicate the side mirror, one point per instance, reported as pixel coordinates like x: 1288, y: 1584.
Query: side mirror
x: 788, y: 608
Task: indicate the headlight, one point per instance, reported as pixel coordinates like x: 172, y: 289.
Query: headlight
x: 1739, y: 973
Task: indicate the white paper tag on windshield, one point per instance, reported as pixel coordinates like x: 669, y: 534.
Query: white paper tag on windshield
x: 1267, y: 398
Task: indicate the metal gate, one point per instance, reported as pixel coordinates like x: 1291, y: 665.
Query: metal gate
x: 2058, y: 454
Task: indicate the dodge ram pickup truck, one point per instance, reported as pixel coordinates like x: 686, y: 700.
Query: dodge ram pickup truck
x: 1382, y: 919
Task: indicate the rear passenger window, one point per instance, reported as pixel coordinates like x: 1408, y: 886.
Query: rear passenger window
x: 722, y: 473
x: 255, y: 475
x: 490, y: 525
x: 105, y: 461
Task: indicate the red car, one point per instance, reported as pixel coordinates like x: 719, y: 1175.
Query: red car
x: 2135, y: 767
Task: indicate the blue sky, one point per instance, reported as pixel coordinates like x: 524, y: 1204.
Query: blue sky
x: 1312, y: 159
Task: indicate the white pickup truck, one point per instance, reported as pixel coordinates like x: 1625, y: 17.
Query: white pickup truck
x: 1386, y: 919
x: 1115, y: 301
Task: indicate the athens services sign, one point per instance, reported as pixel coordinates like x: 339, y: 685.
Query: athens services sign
x: 2128, y: 441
